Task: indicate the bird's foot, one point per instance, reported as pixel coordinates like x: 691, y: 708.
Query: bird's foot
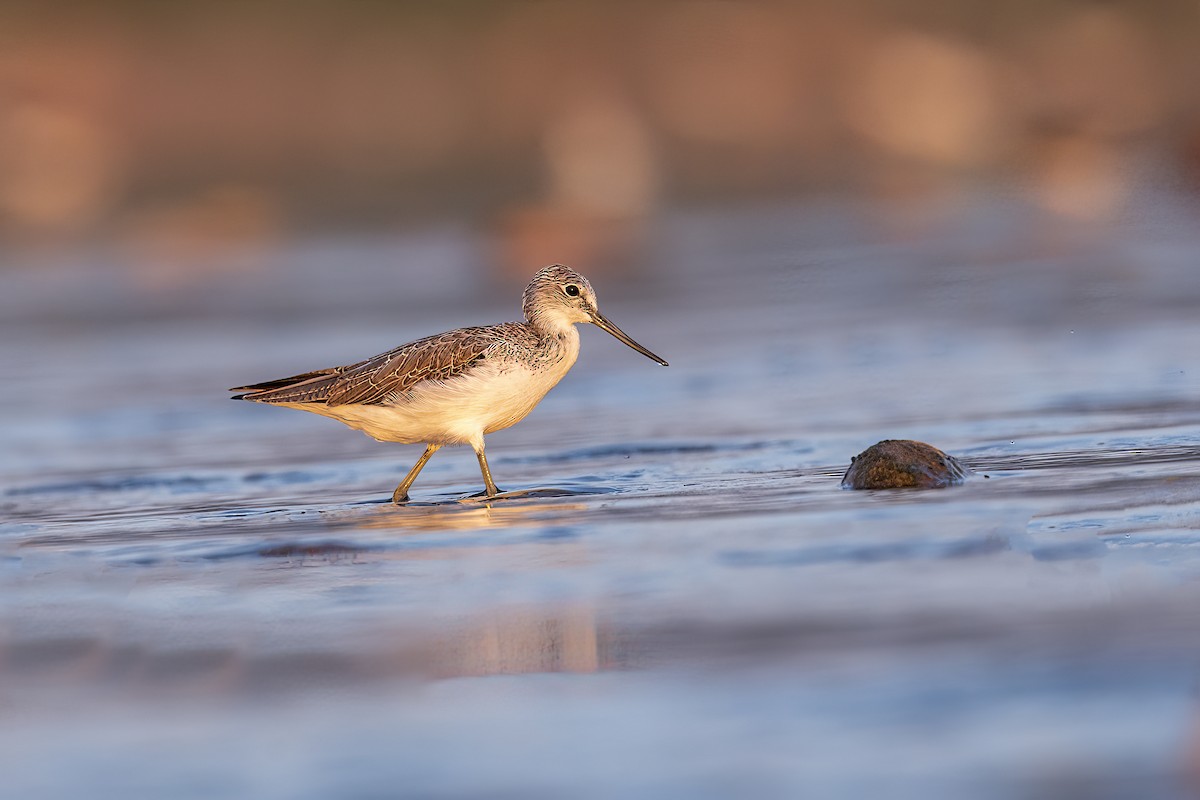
x: 399, y: 498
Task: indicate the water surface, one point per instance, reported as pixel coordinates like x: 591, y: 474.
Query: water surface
x: 205, y: 598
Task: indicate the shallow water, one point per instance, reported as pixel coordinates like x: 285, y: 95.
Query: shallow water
x: 206, y: 598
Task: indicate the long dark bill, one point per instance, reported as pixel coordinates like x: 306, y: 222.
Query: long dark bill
x: 603, y: 324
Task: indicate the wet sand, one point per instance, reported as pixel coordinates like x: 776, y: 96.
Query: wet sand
x: 206, y: 598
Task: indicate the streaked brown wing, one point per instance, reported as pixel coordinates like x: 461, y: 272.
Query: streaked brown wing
x: 435, y: 358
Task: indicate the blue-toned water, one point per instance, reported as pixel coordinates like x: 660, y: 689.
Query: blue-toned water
x: 203, y: 598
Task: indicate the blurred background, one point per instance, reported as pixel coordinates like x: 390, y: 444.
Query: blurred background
x: 970, y: 223
x: 175, y: 133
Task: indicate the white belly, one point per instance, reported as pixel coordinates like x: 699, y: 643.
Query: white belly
x: 457, y: 411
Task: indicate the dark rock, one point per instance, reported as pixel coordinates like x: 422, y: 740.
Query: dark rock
x: 903, y: 464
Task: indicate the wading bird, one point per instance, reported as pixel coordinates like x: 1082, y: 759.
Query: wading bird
x: 458, y: 386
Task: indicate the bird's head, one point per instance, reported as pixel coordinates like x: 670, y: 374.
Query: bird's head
x: 559, y: 297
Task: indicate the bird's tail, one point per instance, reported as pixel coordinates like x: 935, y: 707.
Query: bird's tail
x: 310, y: 387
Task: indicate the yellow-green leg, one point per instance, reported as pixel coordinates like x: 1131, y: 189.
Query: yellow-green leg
x: 401, y: 494
x: 492, y: 491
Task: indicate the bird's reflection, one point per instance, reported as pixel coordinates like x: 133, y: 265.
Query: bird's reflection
x: 471, y: 515
x: 519, y: 641
x: 511, y: 640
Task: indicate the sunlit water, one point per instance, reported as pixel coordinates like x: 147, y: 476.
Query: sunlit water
x: 204, y: 598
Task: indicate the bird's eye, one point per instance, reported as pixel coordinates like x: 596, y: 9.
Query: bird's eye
x: 572, y: 290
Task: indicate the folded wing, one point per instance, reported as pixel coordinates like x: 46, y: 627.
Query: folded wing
x: 385, y: 377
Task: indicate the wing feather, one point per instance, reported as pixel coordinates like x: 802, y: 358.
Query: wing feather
x: 390, y: 374
x: 434, y: 358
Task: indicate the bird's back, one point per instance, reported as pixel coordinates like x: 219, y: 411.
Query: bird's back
x: 389, y: 376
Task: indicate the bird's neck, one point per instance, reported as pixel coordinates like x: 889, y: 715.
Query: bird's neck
x: 558, y: 337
